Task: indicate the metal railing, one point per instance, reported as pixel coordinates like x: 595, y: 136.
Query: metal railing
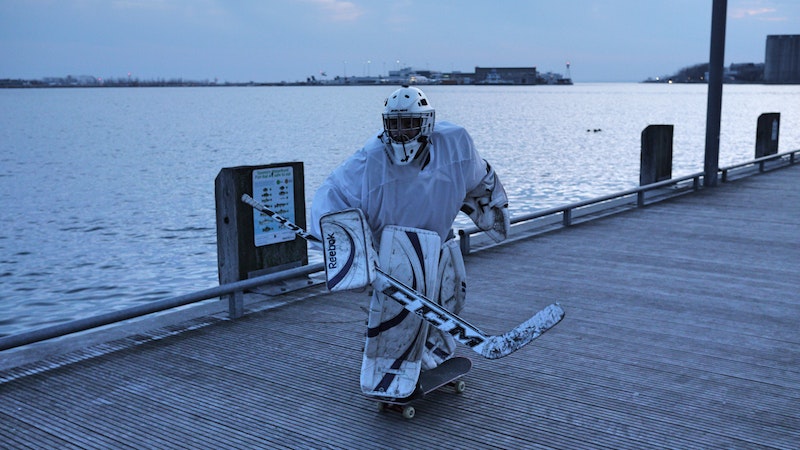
x: 75, y: 326
x: 780, y: 159
x: 568, y: 214
x: 602, y: 205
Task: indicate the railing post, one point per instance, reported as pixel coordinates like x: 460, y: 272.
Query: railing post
x: 236, y: 304
x: 464, y: 242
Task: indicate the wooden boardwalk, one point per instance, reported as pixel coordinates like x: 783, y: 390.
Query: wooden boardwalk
x: 682, y: 332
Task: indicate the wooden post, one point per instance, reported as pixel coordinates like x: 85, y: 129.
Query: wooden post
x: 251, y: 244
x: 767, y: 133
x: 656, y: 154
x: 716, y: 70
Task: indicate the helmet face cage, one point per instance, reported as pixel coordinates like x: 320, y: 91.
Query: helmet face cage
x: 402, y: 128
x: 408, y: 121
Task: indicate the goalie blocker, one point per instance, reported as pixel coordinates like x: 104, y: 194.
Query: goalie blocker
x: 350, y: 257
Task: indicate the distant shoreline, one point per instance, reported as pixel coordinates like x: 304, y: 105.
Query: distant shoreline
x: 39, y: 84
x: 28, y: 84
x: 91, y: 82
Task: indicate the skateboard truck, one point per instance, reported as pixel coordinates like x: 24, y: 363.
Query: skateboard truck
x: 448, y: 373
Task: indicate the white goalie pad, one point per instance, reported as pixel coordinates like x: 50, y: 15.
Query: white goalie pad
x: 395, y: 337
x: 451, y: 281
x: 350, y: 257
x: 451, y: 292
x: 487, y: 206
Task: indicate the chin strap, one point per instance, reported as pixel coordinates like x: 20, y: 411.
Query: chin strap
x: 405, y: 153
x: 423, y: 155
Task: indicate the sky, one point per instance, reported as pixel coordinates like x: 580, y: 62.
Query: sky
x: 291, y: 40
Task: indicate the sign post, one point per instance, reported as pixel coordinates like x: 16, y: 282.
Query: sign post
x: 250, y: 244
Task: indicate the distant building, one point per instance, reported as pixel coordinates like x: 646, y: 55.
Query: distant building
x: 782, y: 59
x: 744, y: 73
x: 506, y: 75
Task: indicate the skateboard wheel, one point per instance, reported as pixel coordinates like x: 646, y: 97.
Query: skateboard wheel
x: 408, y: 412
x: 460, y: 386
x: 381, y: 407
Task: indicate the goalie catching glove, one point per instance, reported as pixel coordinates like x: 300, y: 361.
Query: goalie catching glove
x: 487, y: 206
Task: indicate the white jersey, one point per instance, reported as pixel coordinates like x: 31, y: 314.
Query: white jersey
x: 391, y: 194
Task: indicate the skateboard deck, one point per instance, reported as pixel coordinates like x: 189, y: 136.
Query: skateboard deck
x: 449, y: 372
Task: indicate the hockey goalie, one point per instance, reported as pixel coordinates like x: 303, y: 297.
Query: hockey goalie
x: 396, y: 199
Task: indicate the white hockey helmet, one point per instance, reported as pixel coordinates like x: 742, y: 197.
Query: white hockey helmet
x: 408, y: 120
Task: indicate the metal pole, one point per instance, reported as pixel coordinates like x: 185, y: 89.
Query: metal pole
x: 714, y: 109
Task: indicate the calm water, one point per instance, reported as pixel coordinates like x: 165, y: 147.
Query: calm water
x: 108, y: 194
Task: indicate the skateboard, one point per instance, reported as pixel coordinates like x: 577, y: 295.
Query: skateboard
x: 447, y: 373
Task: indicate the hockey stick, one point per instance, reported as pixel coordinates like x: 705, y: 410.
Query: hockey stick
x: 488, y: 346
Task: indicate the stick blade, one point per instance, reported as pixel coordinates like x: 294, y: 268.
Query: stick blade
x: 503, y: 345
